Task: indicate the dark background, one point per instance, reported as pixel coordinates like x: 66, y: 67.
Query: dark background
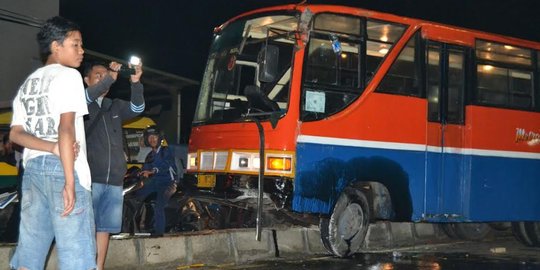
x: 174, y: 35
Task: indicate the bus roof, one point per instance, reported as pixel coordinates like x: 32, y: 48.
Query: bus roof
x: 464, y: 36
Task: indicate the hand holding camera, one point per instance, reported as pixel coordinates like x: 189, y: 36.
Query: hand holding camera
x: 114, y: 68
x: 136, y: 65
x: 133, y: 69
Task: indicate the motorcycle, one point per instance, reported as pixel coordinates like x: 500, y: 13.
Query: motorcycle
x: 183, y: 213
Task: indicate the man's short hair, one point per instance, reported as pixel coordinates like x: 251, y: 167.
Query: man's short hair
x: 88, y: 66
x: 54, y: 29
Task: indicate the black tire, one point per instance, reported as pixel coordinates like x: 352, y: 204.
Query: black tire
x: 472, y: 231
x: 191, y: 222
x: 533, y: 231
x: 324, y: 223
x: 344, y: 232
x: 191, y: 219
x: 129, y: 216
x: 449, y: 229
x: 520, y: 233
x: 173, y: 214
x: 500, y: 226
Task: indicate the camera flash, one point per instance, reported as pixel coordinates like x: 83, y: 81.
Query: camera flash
x: 134, y: 60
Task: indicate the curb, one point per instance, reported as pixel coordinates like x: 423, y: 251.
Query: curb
x: 238, y: 246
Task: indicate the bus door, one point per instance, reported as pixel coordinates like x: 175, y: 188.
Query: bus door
x: 446, y: 170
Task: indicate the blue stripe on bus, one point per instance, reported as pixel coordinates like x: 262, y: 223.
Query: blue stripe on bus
x: 495, y: 187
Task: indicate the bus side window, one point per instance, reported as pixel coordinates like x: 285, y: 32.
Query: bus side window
x: 434, y: 82
x: 322, y: 63
x: 402, y: 77
x: 504, y: 76
x: 456, y: 84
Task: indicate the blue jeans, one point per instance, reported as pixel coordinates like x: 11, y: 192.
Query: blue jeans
x: 108, y: 201
x: 164, y: 191
x: 41, y: 221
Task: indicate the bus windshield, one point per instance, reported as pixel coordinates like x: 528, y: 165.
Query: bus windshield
x: 232, y: 70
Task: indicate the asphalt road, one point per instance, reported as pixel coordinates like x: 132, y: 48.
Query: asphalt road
x: 503, y: 253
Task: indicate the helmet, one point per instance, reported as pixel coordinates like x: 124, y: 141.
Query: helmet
x: 152, y: 130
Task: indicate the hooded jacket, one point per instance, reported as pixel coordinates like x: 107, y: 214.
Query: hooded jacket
x: 105, y: 141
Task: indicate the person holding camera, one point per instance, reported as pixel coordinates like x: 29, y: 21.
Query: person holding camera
x: 105, y: 146
x: 160, y: 171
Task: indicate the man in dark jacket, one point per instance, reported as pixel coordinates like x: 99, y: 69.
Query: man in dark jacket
x: 160, y: 167
x: 105, y: 147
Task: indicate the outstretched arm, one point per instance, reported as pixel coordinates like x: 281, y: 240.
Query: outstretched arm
x: 98, y: 89
x: 103, y: 85
x: 136, y: 105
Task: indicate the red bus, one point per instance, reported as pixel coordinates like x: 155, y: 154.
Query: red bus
x: 378, y: 117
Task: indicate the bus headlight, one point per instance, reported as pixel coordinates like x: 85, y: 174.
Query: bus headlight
x: 243, y: 161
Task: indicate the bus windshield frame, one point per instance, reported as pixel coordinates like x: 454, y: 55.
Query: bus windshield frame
x: 233, y: 66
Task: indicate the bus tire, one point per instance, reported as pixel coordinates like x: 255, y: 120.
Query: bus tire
x: 192, y: 216
x: 472, y: 231
x: 323, y: 228
x: 521, y: 234
x: 500, y: 226
x: 344, y: 232
x: 449, y: 229
x: 533, y: 231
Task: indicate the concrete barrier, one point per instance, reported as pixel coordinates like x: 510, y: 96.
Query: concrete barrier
x: 237, y: 246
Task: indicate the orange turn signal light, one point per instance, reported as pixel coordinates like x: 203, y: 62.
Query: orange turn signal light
x: 279, y: 163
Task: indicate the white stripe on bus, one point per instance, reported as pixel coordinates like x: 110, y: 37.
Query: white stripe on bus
x: 414, y: 147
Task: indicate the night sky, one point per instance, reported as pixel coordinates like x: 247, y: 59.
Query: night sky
x: 174, y: 35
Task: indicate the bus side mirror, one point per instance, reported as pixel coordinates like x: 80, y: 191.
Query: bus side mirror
x: 268, y: 63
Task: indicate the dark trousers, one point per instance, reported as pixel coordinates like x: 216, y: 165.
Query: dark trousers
x: 164, y: 191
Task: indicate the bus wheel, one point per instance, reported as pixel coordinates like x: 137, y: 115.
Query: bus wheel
x: 533, y: 230
x: 343, y: 233
x: 472, y: 231
x: 500, y: 226
x: 521, y: 234
x: 449, y: 229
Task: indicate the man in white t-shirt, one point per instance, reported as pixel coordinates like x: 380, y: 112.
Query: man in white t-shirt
x: 47, y: 120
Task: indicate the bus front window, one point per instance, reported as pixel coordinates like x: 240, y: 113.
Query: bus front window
x: 232, y: 68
